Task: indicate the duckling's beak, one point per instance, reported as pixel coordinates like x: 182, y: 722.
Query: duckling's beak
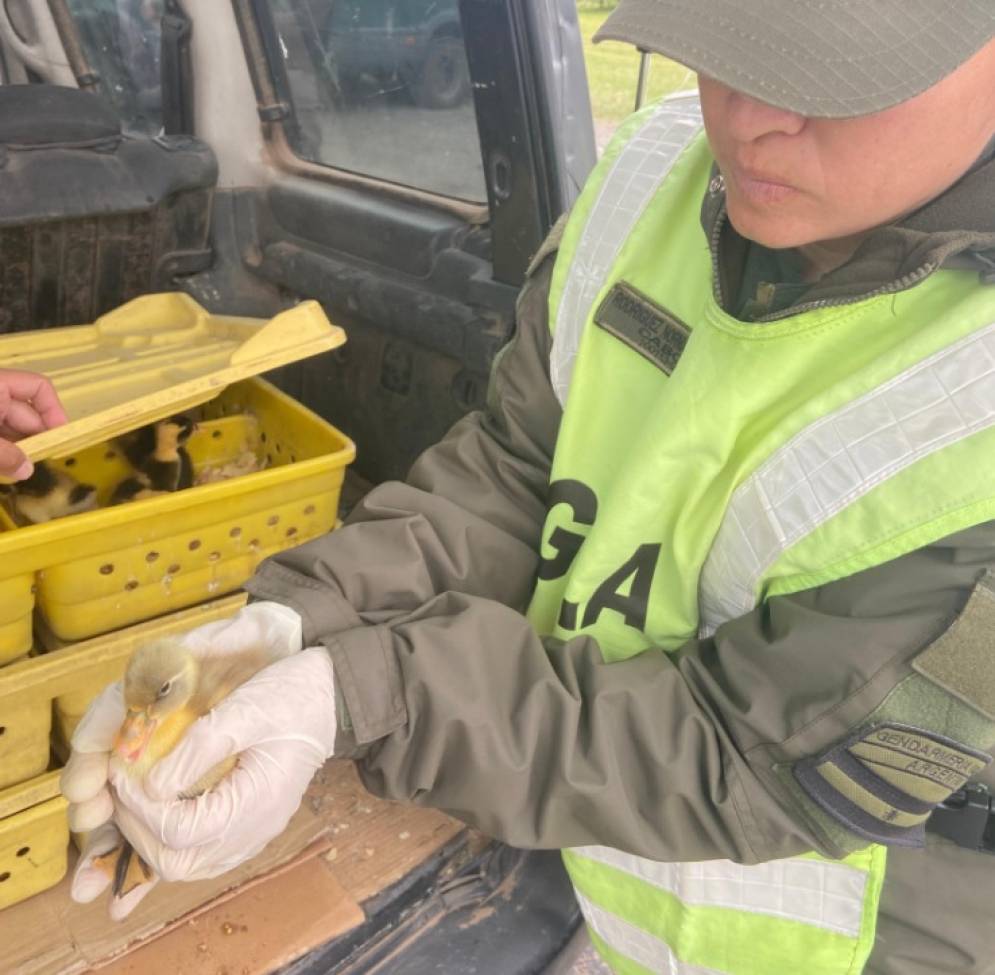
x: 134, y: 735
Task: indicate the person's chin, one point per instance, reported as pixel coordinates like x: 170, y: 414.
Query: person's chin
x: 767, y: 226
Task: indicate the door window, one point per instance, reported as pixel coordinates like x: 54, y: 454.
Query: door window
x: 122, y: 40
x: 381, y: 88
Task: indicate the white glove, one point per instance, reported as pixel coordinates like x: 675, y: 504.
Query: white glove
x: 85, y: 778
x: 281, y: 723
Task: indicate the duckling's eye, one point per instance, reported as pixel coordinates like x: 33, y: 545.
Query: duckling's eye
x: 164, y: 690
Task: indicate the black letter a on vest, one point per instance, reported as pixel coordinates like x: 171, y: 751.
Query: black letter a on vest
x: 632, y: 607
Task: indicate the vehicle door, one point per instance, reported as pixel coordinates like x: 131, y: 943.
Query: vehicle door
x: 418, y: 152
x: 399, y: 160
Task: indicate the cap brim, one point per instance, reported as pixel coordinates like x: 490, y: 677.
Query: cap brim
x: 834, y: 60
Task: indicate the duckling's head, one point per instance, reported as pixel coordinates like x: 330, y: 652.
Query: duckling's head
x: 159, y: 681
x: 171, y: 434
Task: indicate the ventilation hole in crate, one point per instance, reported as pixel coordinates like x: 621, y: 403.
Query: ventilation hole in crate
x: 106, y: 570
x: 4, y: 876
x: 3, y: 731
x: 254, y: 544
x: 131, y: 585
x: 152, y: 557
x: 173, y: 569
x: 262, y: 436
x: 293, y: 458
x: 214, y: 557
x: 310, y: 509
x: 273, y: 520
x: 110, y: 455
x: 194, y: 545
x: 235, y: 533
x: 217, y: 434
x: 291, y: 532
x: 269, y: 458
x: 70, y: 462
x: 279, y: 448
x: 24, y: 851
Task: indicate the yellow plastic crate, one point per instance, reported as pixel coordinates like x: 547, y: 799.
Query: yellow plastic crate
x: 71, y: 677
x: 102, y: 570
x: 16, y: 600
x: 152, y: 357
x: 34, y: 838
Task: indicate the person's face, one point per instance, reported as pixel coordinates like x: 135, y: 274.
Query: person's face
x: 793, y: 180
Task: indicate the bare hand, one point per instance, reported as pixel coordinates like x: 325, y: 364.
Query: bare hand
x: 28, y: 405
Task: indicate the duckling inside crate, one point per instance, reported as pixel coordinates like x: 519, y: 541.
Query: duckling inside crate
x: 49, y: 493
x: 159, y: 459
x: 180, y: 452
x: 170, y: 455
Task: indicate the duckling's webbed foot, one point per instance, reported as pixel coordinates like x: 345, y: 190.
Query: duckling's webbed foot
x: 130, y: 870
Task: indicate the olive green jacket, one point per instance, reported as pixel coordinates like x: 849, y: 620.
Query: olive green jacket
x: 452, y: 700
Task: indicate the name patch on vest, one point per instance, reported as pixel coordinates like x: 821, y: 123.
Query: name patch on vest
x: 643, y: 325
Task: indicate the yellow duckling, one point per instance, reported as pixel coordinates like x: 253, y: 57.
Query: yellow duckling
x: 166, y: 689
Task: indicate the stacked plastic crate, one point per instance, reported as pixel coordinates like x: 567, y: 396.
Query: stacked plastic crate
x: 79, y: 593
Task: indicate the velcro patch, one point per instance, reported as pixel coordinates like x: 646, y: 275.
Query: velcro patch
x: 643, y: 325
x: 884, y: 782
x: 961, y: 660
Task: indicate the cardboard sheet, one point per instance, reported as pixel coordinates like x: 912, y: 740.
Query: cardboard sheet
x: 265, y: 924
x: 343, y: 847
x: 50, y: 935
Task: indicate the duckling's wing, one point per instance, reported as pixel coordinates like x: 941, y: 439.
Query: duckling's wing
x: 221, y: 673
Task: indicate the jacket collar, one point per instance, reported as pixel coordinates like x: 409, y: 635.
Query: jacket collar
x: 956, y: 229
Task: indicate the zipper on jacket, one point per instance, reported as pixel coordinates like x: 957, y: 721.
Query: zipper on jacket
x: 903, y: 283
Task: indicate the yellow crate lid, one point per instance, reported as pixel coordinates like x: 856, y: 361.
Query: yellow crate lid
x: 155, y: 356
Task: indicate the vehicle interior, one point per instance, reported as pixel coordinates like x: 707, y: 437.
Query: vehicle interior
x: 395, y: 160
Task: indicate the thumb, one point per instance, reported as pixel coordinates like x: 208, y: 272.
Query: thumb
x: 13, y: 463
x: 102, y: 721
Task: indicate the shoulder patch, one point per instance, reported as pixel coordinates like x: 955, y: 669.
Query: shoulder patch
x: 884, y: 782
x: 643, y: 325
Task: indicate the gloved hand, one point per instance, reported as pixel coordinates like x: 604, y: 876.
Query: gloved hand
x: 284, y: 718
x: 281, y: 723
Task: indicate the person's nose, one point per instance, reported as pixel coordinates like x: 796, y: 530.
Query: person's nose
x: 748, y: 119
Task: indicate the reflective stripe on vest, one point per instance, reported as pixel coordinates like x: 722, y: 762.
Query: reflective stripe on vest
x: 637, y: 174
x: 818, y: 892
x: 634, y: 943
x: 837, y: 460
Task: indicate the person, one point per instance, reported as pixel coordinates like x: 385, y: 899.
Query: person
x: 704, y: 596
x: 28, y: 405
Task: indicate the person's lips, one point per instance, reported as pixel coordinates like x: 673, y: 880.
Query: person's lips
x: 760, y: 187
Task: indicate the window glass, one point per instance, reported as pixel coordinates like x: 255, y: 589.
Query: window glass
x: 121, y: 40
x: 381, y: 88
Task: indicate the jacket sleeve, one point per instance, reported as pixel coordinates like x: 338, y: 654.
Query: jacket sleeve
x: 452, y: 700
x: 468, y: 519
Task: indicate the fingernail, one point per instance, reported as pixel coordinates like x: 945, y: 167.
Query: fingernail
x: 24, y: 471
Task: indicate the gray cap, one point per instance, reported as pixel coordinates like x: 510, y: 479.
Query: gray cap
x: 831, y: 58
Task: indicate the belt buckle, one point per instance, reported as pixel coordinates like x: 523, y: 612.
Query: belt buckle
x: 967, y: 818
